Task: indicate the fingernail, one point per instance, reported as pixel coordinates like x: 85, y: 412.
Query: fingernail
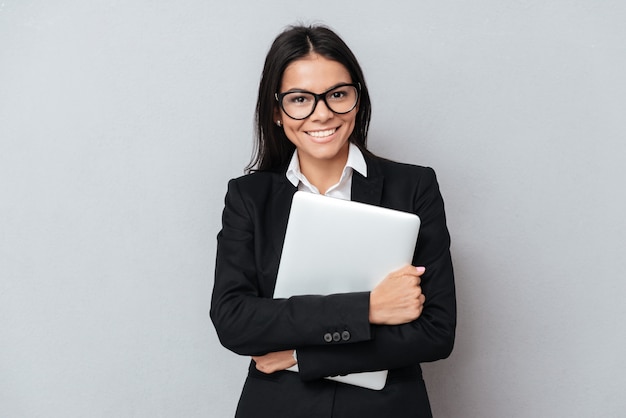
x: 420, y: 269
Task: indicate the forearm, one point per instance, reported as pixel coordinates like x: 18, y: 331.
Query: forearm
x: 391, y: 347
x: 251, y: 325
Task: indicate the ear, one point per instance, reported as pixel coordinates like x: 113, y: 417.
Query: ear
x: 277, y: 114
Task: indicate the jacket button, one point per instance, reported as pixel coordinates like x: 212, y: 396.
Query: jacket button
x: 328, y: 337
x: 336, y: 336
x: 345, y: 335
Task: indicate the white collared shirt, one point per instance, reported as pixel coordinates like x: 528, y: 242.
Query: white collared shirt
x: 341, y: 190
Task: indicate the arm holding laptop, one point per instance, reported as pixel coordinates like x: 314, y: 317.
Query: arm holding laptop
x: 398, y: 299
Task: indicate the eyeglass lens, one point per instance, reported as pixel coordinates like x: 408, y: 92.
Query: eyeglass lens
x: 300, y: 105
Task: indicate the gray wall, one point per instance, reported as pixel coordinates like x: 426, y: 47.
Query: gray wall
x: 121, y: 122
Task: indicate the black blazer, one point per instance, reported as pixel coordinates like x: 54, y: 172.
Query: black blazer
x: 249, y: 322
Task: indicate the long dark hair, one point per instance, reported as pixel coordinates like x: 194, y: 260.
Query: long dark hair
x: 273, y: 149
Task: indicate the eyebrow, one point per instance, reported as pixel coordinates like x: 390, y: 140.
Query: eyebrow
x: 298, y: 90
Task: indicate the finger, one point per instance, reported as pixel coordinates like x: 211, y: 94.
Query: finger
x: 408, y: 269
x: 413, y: 280
x: 412, y: 294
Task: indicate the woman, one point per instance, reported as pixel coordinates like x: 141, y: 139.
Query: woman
x: 312, y: 116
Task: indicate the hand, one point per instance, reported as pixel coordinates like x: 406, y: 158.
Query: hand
x: 273, y: 362
x: 398, y: 299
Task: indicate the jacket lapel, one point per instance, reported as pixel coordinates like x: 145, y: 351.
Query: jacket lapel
x: 368, y: 189
x: 280, y: 208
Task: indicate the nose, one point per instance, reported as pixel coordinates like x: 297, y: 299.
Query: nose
x: 321, y: 111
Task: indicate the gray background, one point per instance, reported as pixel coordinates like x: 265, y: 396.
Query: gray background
x: 121, y: 122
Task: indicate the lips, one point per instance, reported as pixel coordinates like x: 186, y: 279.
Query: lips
x: 322, y: 134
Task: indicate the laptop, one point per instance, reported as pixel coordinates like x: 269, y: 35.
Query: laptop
x: 338, y: 246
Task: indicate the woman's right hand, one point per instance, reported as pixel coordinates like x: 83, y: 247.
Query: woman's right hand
x: 398, y: 298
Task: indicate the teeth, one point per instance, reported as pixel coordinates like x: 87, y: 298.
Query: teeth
x: 322, y: 134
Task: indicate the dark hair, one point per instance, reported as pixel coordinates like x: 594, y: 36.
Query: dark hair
x: 273, y: 149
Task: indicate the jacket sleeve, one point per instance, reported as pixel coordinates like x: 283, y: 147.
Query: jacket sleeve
x: 431, y: 336
x: 247, y: 320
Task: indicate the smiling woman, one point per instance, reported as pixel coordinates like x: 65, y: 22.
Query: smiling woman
x: 313, y: 113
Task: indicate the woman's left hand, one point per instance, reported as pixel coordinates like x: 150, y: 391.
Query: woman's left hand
x: 273, y: 362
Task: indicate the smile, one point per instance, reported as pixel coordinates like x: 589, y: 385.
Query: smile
x: 322, y: 134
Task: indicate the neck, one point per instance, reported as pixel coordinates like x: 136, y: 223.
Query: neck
x: 324, y: 173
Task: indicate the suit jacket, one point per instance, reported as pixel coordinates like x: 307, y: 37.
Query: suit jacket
x: 249, y: 322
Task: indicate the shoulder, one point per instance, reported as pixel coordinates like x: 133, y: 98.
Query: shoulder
x: 393, y: 170
x: 259, y: 186
x: 259, y: 179
x: 403, y: 184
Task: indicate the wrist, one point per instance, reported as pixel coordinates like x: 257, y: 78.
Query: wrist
x: 372, y: 309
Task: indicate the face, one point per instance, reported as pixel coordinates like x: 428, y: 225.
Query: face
x: 323, y: 136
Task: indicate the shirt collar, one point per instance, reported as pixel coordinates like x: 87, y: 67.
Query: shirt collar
x: 355, y: 161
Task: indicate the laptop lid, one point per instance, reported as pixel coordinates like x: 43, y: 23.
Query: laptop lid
x: 337, y: 246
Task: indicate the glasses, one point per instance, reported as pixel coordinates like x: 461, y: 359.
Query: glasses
x: 300, y: 104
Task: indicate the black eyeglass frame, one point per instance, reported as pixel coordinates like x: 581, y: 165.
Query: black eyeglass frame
x: 322, y: 96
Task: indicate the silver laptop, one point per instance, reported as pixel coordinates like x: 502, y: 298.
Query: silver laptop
x: 337, y: 246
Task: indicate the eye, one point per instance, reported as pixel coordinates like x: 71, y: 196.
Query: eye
x: 339, y: 94
x: 297, y: 99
